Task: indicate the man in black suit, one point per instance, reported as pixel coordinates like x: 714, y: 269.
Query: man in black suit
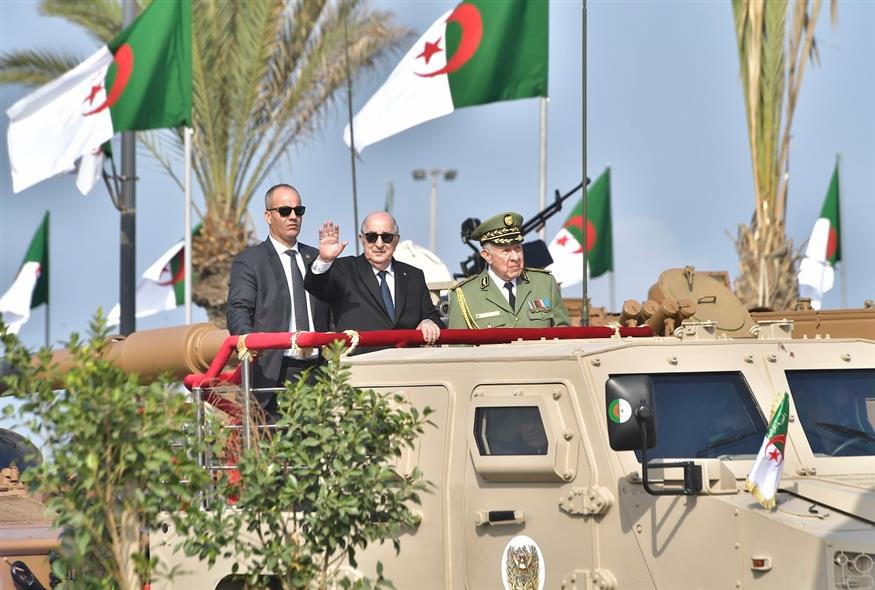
x: 266, y: 292
x: 372, y: 291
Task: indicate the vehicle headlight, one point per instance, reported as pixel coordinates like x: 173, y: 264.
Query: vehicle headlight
x: 854, y: 570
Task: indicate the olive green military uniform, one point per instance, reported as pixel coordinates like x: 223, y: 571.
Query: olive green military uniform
x: 476, y: 302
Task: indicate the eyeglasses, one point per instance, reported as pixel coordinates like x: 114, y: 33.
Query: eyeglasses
x: 372, y: 236
x: 285, y: 210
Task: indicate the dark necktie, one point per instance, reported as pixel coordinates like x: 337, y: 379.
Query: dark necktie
x: 387, y: 296
x: 511, y: 298
x: 299, y: 296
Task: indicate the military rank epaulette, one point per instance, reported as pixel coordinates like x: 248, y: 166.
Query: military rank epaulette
x: 463, y: 281
x: 544, y: 270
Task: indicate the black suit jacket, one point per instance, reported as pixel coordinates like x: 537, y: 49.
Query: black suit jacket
x: 259, y: 301
x: 353, y: 292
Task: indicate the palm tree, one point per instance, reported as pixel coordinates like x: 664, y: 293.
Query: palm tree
x: 771, y: 75
x: 263, y: 74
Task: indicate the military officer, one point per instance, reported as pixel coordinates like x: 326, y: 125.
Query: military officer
x: 506, y: 294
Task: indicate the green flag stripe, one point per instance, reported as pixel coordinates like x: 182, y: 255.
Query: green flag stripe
x: 511, y: 59
x: 158, y: 91
x: 830, y: 211
x: 778, y: 423
x: 598, y: 210
x: 177, y: 270
x: 38, y: 251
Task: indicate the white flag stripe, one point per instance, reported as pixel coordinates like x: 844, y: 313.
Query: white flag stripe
x: 816, y: 275
x: 155, y: 291
x: 766, y: 473
x: 90, y: 169
x: 406, y: 99
x: 15, y: 303
x: 567, y: 267
x: 48, y: 131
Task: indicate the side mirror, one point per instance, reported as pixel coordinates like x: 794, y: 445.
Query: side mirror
x: 629, y: 400
x: 632, y: 427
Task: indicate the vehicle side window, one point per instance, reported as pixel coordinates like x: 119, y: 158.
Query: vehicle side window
x: 705, y: 415
x: 512, y: 430
x: 836, y: 409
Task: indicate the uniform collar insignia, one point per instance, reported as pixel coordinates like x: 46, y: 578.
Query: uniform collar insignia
x: 484, y: 281
x: 524, y: 276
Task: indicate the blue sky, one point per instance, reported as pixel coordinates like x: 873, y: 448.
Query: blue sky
x: 665, y: 112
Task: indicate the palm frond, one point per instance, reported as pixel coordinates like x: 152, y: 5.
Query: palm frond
x: 35, y: 67
x: 772, y: 56
x: 264, y: 73
x: 101, y: 18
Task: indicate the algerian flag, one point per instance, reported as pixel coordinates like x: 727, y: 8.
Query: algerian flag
x: 481, y: 51
x: 147, y: 69
x: 816, y: 271
x: 31, y: 286
x: 161, y: 287
x: 566, y: 248
x: 765, y: 475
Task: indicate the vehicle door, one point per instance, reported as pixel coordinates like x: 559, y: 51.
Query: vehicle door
x: 524, y: 467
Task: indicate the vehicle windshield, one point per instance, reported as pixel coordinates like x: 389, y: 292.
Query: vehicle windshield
x: 836, y: 409
x: 705, y: 415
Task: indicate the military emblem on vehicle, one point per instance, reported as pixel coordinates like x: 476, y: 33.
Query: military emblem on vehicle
x: 522, y: 565
x: 619, y: 411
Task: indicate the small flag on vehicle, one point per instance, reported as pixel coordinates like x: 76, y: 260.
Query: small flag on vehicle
x: 765, y: 475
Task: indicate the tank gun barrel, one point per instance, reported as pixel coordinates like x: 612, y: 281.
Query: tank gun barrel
x: 176, y: 351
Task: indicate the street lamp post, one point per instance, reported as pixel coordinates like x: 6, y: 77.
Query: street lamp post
x: 436, y: 174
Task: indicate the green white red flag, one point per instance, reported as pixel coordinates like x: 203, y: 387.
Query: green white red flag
x: 566, y: 248
x: 817, y: 269
x: 481, y: 51
x: 161, y: 287
x: 765, y: 475
x: 31, y: 286
x: 147, y: 71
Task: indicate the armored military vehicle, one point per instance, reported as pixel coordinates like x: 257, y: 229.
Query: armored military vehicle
x: 616, y: 456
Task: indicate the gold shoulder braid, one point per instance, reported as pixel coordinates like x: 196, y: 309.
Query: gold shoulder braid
x: 461, y: 282
x: 466, y: 313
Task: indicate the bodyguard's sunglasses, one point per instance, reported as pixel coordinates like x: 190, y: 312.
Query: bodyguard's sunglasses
x: 372, y: 236
x: 285, y: 210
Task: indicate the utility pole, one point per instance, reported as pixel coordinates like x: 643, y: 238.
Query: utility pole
x: 128, y: 207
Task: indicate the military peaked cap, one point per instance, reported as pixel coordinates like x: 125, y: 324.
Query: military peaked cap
x: 501, y: 229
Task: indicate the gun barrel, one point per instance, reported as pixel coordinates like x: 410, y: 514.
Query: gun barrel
x: 176, y: 351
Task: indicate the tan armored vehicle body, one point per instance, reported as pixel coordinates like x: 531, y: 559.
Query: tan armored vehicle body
x: 563, y: 495
x: 536, y: 462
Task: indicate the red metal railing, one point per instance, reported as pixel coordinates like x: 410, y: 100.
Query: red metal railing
x: 391, y: 338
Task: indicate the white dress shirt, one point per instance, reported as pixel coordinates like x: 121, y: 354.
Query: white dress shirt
x: 499, y: 282
x: 319, y: 267
x: 286, y: 261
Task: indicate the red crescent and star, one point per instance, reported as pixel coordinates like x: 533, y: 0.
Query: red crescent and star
x: 591, y: 234
x: 775, y: 454
x: 831, y: 242
x: 180, y: 273
x: 124, y: 60
x: 468, y: 17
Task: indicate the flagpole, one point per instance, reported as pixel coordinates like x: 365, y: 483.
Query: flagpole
x: 613, y: 292
x: 186, y: 222
x: 844, y: 274
x: 355, y: 200
x: 128, y: 206
x: 48, y: 281
x: 584, y: 308
x: 542, y: 161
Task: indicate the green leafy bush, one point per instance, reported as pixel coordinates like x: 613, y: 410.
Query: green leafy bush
x: 117, y: 465
x: 319, y: 488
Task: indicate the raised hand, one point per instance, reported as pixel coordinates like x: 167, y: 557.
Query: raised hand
x: 330, y: 245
